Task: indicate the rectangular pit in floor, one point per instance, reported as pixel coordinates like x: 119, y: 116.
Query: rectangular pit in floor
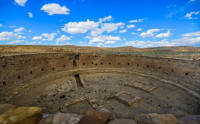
x: 150, y: 88
x: 127, y: 98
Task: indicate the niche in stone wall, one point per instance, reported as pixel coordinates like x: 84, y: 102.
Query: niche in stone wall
x: 31, y: 72
x: 95, y: 57
x: 186, y: 73
x: 19, y: 77
x: 53, y: 69
x: 4, y: 83
x: 42, y: 69
x: 74, y: 63
x: 76, y: 57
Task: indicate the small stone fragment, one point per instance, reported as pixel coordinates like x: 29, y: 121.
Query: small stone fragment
x: 122, y: 121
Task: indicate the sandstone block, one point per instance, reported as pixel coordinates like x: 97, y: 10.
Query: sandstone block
x: 6, y: 107
x: 163, y: 118
x: 65, y: 118
x: 21, y: 115
x: 122, y: 121
x: 143, y: 119
x: 95, y: 117
x: 191, y: 119
x: 154, y: 118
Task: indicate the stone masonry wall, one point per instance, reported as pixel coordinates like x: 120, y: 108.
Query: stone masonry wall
x: 21, y: 68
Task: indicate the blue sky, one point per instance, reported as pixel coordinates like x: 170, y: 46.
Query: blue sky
x: 103, y: 23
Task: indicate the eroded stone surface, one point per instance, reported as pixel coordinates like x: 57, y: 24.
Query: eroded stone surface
x: 6, y: 107
x: 163, y: 118
x: 154, y: 118
x: 191, y: 119
x: 143, y: 119
x: 123, y: 121
x: 95, y: 117
x: 65, y: 118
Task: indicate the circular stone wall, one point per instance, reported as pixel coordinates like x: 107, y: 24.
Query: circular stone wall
x: 121, y: 84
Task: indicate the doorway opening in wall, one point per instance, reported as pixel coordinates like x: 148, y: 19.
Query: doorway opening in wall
x: 74, y: 63
x: 78, y: 81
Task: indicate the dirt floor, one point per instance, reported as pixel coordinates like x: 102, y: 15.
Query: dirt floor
x: 51, y: 95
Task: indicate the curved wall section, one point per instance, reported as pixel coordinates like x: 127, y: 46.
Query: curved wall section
x: 19, y: 69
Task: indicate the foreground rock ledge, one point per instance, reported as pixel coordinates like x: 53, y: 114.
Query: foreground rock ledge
x: 10, y: 114
x: 21, y: 115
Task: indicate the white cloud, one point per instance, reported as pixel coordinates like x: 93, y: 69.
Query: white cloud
x: 161, y: 35
x: 80, y: 27
x: 37, y: 38
x: 33, y: 43
x: 139, y: 29
x: 21, y: 2
x: 45, y: 37
x: 95, y: 28
x: 187, y: 40
x: 63, y: 38
x: 109, y: 27
x: 191, y: 34
x: 100, y: 44
x: 123, y: 31
x: 4, y: 36
x: 30, y: 15
x: 131, y: 26
x: 12, y: 26
x: 149, y: 33
x: 1, y: 25
x: 82, y: 42
x: 19, y: 30
x: 48, y: 37
x: 133, y: 33
x: 108, y: 39
x: 16, y: 42
x: 192, y: 0
x: 107, y: 18
x: 144, y: 44
x: 19, y: 36
x: 106, y: 27
x: 189, y: 15
x: 138, y: 20
x: 54, y: 8
x: 110, y: 42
